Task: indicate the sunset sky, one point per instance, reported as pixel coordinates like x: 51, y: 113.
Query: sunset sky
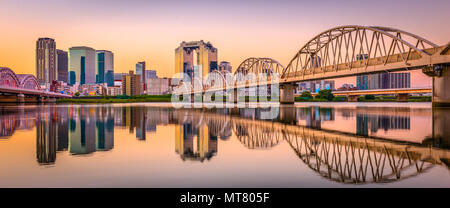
x: 137, y: 30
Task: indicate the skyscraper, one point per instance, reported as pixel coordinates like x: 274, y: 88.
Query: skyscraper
x: 82, y: 67
x: 46, y: 60
x: 62, y: 65
x: 190, y: 56
x: 140, y: 70
x: 105, y: 67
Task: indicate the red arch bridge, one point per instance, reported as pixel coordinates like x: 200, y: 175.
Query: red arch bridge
x: 23, y: 88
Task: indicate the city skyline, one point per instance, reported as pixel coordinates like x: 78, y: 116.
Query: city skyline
x: 279, y: 37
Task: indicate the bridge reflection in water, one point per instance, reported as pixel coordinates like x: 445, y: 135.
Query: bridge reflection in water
x: 356, y: 157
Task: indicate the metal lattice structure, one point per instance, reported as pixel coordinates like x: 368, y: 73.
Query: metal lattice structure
x: 28, y: 81
x: 8, y: 78
x: 257, y: 66
x: 356, y: 162
x: 253, y: 137
x: 359, y: 49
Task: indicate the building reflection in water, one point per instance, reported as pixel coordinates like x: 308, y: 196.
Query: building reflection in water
x: 194, y: 141
x: 46, y: 133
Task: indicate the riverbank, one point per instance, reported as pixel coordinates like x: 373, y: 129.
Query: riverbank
x: 168, y: 98
x: 365, y: 99
x: 118, y: 99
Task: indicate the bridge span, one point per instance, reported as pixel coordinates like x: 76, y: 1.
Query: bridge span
x: 340, y: 52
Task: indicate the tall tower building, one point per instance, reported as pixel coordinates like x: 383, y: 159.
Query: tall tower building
x: 46, y: 60
x: 195, y: 55
x: 82, y: 65
x: 105, y: 67
x: 62, y: 65
x: 140, y: 70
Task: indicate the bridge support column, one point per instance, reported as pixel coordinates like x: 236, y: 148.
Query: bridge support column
x: 441, y: 86
x: 352, y: 98
x: 402, y: 97
x: 20, y: 98
x: 287, y: 94
x: 238, y: 95
x: 196, y: 97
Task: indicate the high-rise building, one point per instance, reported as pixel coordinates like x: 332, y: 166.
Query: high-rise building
x: 131, y: 84
x: 105, y: 67
x: 225, y: 67
x: 315, y: 86
x: 150, y: 74
x: 62, y: 65
x: 140, y: 70
x: 158, y: 86
x: 46, y: 60
x: 82, y: 67
x: 383, y: 81
x: 195, y: 55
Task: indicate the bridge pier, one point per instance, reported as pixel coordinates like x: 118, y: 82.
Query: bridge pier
x: 196, y: 97
x: 402, y: 97
x: 441, y: 84
x: 238, y: 95
x: 352, y: 98
x: 287, y: 94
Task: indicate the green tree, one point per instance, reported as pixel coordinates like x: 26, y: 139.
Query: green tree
x: 306, y: 94
x: 325, y: 94
x: 369, y: 97
x: 77, y: 94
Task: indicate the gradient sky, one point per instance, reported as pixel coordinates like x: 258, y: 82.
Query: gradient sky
x: 138, y: 30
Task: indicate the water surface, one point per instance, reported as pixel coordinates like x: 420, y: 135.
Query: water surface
x: 154, y: 145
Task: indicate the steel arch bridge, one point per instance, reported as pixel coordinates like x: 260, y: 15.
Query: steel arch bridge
x: 347, y: 51
x: 260, y: 65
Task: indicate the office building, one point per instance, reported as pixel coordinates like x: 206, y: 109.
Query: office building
x: 140, y: 70
x: 82, y: 67
x: 315, y: 86
x: 150, y: 74
x: 46, y: 60
x: 383, y: 81
x: 195, y: 56
x: 158, y: 86
x: 62, y: 65
x: 114, y: 91
x: 131, y: 84
x: 105, y: 67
